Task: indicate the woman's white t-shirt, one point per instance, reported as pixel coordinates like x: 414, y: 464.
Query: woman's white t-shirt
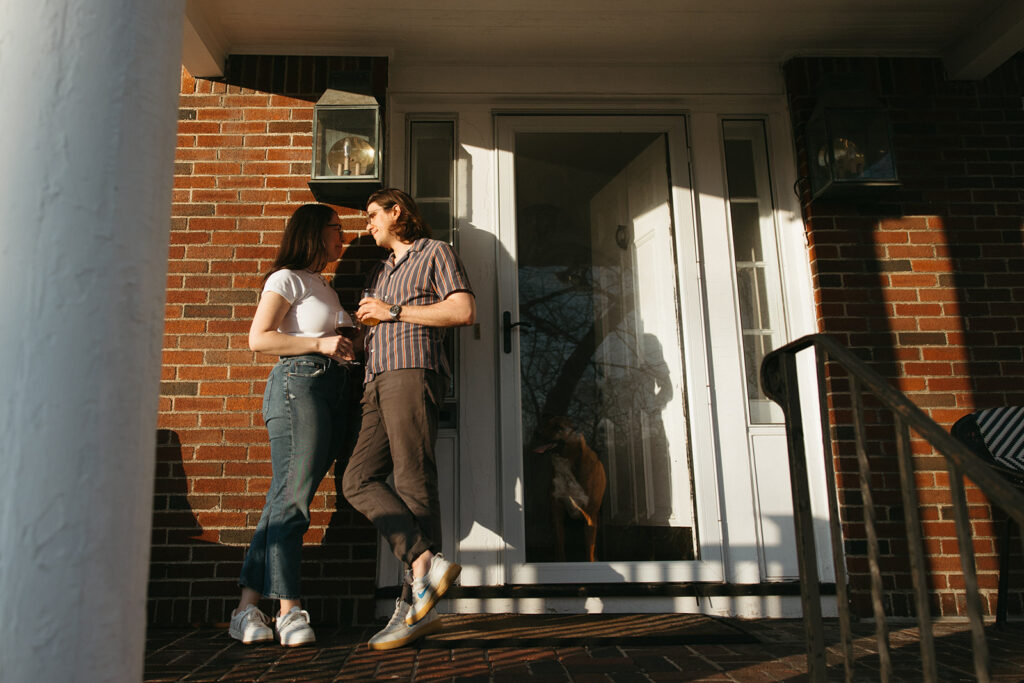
x: 314, y: 303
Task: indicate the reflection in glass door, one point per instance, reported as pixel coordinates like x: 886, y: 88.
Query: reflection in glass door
x: 600, y: 350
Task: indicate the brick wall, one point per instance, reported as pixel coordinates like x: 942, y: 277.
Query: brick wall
x: 242, y: 165
x: 925, y: 283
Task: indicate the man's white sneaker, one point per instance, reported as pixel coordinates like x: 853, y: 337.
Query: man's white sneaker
x: 294, y: 629
x: 398, y: 633
x: 429, y: 588
x: 250, y: 626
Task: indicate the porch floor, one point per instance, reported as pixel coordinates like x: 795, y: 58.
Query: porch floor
x: 574, y: 648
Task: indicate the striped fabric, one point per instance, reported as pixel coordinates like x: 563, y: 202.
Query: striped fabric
x: 1003, y: 432
x: 427, y: 274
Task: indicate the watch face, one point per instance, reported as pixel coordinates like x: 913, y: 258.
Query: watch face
x: 395, y: 311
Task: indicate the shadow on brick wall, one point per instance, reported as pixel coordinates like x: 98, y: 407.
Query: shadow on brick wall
x: 200, y: 540
x: 922, y: 281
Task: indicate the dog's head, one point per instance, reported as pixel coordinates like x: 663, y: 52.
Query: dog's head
x: 553, y: 434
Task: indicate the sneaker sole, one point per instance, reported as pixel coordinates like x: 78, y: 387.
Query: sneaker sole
x: 393, y: 644
x: 442, y: 587
x: 299, y: 643
x: 252, y: 641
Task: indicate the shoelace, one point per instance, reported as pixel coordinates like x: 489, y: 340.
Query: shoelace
x: 397, y: 616
x: 291, y: 617
x: 256, y: 615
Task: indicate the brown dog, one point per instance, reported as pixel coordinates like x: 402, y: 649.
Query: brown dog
x: 577, y: 483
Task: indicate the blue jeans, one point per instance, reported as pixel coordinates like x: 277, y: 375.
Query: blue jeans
x: 306, y: 410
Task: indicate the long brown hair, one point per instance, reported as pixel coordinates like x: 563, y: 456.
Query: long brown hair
x: 302, y: 245
x: 410, y: 225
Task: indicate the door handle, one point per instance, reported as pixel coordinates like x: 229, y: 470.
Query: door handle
x: 507, y: 326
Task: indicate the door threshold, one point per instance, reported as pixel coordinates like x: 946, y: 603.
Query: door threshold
x: 619, y: 590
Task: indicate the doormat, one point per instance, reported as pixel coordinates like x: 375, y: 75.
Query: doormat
x: 546, y: 630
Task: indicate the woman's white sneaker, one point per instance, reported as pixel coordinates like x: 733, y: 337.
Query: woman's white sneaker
x: 250, y: 626
x: 293, y: 628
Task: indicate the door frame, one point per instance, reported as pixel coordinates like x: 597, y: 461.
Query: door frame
x: 708, y: 531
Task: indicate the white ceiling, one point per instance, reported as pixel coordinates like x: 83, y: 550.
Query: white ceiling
x: 972, y: 36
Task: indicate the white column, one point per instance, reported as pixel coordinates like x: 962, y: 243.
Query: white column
x: 88, y: 109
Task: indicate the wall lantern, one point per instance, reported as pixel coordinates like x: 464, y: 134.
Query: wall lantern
x: 849, y: 141
x: 348, y: 148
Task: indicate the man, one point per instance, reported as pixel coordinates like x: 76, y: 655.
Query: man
x: 418, y: 291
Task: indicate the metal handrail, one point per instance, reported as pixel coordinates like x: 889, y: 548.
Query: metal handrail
x: 780, y: 382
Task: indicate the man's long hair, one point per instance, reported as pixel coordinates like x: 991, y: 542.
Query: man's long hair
x: 302, y: 245
x: 410, y: 225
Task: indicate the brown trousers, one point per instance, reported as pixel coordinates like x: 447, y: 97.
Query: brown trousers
x: 397, y: 435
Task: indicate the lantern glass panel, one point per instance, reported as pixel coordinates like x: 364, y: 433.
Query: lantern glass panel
x: 861, y: 149
x: 347, y: 143
x: 819, y: 159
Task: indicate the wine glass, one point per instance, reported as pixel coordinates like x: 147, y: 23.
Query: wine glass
x: 371, y: 294
x: 345, y: 326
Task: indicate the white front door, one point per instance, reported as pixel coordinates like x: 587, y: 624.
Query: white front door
x: 602, y: 331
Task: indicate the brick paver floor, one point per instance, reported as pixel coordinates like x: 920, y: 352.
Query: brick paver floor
x: 773, y: 651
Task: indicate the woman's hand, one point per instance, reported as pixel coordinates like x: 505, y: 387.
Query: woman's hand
x: 338, y: 348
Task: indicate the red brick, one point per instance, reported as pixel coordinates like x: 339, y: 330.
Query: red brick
x: 245, y: 127
x: 243, y: 155
x: 198, y: 127
x: 266, y: 168
x: 239, y: 210
x: 206, y: 452
x: 240, y: 181
x: 218, y: 114
x: 224, y: 388
x: 202, y: 372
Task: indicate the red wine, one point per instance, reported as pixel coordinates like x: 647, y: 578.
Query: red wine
x: 347, y: 331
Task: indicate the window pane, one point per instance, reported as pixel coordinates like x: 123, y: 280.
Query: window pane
x: 758, y: 288
x: 433, y: 158
x: 746, y: 231
x: 431, y: 165
x: 739, y: 168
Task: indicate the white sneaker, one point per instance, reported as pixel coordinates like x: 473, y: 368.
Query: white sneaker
x: 294, y: 629
x: 429, y: 588
x: 397, y: 633
x: 250, y: 626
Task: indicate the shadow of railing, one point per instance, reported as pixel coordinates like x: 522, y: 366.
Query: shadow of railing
x: 780, y: 380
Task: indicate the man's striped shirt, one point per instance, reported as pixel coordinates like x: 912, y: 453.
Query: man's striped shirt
x: 426, y: 274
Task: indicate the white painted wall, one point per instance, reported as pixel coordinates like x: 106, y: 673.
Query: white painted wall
x: 87, y: 114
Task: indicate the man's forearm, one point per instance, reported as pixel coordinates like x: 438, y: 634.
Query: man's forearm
x: 457, y: 310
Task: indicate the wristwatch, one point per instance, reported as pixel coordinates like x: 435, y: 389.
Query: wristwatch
x: 395, y: 311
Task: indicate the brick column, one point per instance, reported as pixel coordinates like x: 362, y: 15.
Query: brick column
x: 88, y: 120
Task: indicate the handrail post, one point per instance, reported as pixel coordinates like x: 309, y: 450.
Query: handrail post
x: 966, y: 547
x: 782, y: 374
x: 915, y: 545
x: 834, y: 522
x: 871, y: 531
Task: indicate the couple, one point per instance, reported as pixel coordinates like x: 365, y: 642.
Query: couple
x: 421, y: 289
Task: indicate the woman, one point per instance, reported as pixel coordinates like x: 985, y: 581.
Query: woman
x: 305, y: 410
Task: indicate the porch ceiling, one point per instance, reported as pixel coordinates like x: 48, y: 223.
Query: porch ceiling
x: 972, y: 36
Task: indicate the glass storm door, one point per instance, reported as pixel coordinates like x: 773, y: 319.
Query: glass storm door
x: 596, y: 220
